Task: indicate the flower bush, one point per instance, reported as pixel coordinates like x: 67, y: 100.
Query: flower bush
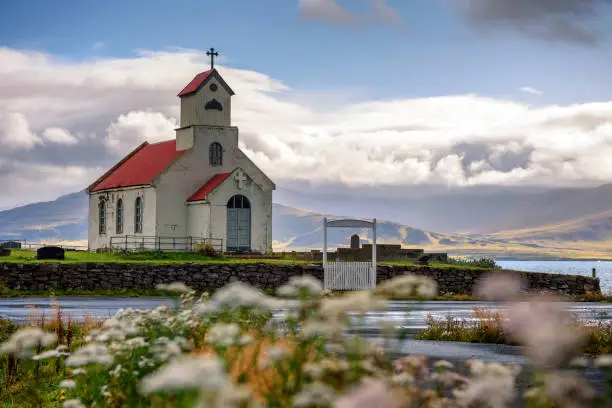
x: 244, y: 348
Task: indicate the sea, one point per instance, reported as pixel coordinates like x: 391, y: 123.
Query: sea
x: 603, y: 269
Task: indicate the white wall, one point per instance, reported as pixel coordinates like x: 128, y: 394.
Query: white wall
x: 261, y: 212
x: 95, y: 240
x: 192, y: 107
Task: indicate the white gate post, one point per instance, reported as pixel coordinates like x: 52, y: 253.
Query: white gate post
x: 325, y: 273
x: 373, y: 275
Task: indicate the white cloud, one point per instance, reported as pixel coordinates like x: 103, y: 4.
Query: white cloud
x: 384, y: 13
x: 59, y: 136
x: 91, y: 112
x: 15, y: 132
x: 530, y: 90
x: 325, y: 10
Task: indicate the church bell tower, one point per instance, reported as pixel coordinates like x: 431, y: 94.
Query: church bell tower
x: 206, y: 100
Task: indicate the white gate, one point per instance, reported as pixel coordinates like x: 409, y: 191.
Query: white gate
x: 341, y: 275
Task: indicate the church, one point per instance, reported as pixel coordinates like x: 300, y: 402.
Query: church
x: 198, y: 187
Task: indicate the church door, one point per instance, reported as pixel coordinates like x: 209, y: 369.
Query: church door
x: 238, y: 224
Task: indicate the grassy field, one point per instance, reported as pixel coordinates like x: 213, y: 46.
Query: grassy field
x: 153, y: 257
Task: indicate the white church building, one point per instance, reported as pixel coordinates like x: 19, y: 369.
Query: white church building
x: 198, y: 187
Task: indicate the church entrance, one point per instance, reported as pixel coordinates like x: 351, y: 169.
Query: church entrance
x: 238, y: 224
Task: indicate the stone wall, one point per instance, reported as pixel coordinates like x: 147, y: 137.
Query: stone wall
x: 93, y: 276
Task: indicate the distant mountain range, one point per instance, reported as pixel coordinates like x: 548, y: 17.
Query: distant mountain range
x: 563, y: 223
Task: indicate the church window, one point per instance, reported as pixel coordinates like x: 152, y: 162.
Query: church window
x: 213, y: 105
x: 119, y: 221
x: 102, y: 217
x: 216, y: 154
x: 138, y: 216
x: 238, y: 201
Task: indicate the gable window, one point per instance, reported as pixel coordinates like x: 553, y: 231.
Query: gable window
x: 216, y: 154
x: 138, y: 215
x: 119, y: 221
x: 102, y: 217
x: 213, y: 105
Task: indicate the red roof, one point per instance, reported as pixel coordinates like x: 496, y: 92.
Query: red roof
x: 207, y: 188
x: 200, y: 79
x: 196, y: 82
x: 140, y: 167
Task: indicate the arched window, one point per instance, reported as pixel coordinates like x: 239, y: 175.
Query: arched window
x: 138, y: 215
x: 238, y: 201
x: 215, y: 154
x: 213, y: 104
x: 119, y: 221
x: 102, y: 217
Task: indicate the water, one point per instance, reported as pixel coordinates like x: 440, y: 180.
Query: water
x: 584, y: 268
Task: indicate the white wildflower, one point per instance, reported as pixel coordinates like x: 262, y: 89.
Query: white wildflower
x: 568, y: 390
x: 79, y: 371
x: 603, y: 361
x: 105, y: 392
x: 306, y: 285
x: 314, y: 370
x: 116, y: 372
x: 23, y: 342
x: 73, y: 403
x: 164, y: 349
x: 371, y: 393
x: 403, y: 379
x: 408, y: 286
x: 579, y: 362
x: 236, y: 295
x: 315, y: 394
x: 50, y: 354
x: 443, y: 365
x: 500, y: 286
x: 223, y: 334
x: 358, y: 302
x: 94, y: 353
x: 67, y: 384
x: 205, y: 373
x: 176, y: 287
x: 492, y: 385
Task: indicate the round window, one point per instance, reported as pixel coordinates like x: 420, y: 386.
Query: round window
x: 213, y: 87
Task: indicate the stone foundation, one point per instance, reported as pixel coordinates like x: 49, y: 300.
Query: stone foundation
x: 94, y: 276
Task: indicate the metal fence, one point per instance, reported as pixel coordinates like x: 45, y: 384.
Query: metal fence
x: 163, y: 243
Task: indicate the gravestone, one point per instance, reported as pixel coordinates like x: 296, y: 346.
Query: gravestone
x: 4, y: 251
x: 11, y: 244
x: 355, y: 243
x: 50, y: 252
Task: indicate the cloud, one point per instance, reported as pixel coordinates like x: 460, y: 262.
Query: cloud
x: 530, y: 90
x: 325, y: 10
x: 62, y: 124
x: 331, y: 12
x: 572, y: 21
x: 384, y: 13
x: 60, y: 136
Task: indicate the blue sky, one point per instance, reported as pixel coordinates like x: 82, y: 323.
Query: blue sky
x: 435, y: 52
x: 77, y: 93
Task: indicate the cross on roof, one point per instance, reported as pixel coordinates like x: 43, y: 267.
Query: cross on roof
x: 240, y: 179
x: 212, y: 54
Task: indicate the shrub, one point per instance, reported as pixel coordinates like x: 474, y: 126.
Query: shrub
x: 485, y: 262
x: 207, y: 249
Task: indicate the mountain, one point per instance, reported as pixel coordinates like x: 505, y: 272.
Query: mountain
x: 531, y: 223
x: 482, y: 210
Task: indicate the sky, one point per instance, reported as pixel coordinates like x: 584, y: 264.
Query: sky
x: 455, y: 93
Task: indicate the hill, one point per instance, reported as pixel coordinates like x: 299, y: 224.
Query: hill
x: 585, y: 236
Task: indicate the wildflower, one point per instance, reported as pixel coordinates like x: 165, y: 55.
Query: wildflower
x: 176, y: 287
x: 407, y: 286
x: 315, y: 394
x: 359, y: 302
x: 205, y: 373
x: 67, y: 384
x: 116, y: 372
x: 301, y: 286
x: 79, y: 371
x: 73, y: 403
x: 569, y: 390
x: 314, y: 370
x: 236, y: 295
x: 443, y: 365
x: 94, y: 353
x: 224, y: 334
x: 57, y: 352
x: 402, y: 379
x: 371, y: 393
x: 579, y: 362
x: 491, y: 385
x: 603, y: 361
x: 500, y: 286
x: 546, y: 329
x: 104, y: 391
x: 23, y: 342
